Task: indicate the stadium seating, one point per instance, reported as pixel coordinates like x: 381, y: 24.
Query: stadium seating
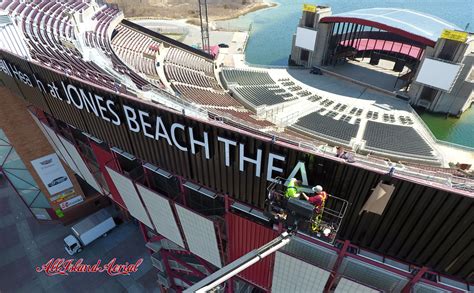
x: 327, y: 127
x: 206, y: 97
x: 104, y: 17
x: 198, y: 78
x: 136, y: 50
x: 246, y: 77
x: 192, y: 77
x: 46, y: 25
x: 356, y: 111
x: 262, y: 95
x: 314, y: 98
x: 188, y: 60
x: 395, y: 139
x: 128, y: 51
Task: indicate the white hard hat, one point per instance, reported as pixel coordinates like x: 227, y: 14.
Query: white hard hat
x: 318, y: 188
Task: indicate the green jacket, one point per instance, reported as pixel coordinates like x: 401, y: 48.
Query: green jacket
x: 291, y: 189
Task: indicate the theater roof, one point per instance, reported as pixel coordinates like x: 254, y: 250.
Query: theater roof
x: 415, y: 25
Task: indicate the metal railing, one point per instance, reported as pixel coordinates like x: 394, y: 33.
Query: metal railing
x: 442, y: 178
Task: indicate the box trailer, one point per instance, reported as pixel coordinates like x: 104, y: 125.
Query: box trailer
x: 88, y: 230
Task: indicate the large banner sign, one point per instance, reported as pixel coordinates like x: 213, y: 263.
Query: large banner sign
x: 153, y: 127
x: 52, y: 174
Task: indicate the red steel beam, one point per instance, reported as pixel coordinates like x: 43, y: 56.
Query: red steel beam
x: 414, y: 280
x: 334, y: 274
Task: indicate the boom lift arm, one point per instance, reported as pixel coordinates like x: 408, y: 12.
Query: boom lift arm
x: 240, y: 264
x: 297, y: 212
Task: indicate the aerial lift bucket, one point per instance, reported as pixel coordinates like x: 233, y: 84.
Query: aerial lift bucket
x: 323, y: 223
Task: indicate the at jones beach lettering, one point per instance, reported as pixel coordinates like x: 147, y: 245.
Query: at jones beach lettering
x: 152, y: 127
x: 61, y: 266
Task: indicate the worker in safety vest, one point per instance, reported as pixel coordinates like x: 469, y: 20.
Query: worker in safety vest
x: 318, y: 199
x: 292, y: 188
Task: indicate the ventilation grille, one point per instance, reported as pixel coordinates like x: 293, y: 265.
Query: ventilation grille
x: 373, y: 276
x: 311, y: 253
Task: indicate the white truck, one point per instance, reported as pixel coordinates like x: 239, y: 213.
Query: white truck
x: 88, y: 230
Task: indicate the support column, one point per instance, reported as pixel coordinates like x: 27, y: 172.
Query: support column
x: 332, y: 278
x: 414, y: 280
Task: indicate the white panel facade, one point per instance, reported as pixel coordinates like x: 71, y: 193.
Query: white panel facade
x: 305, y: 38
x: 161, y: 214
x: 293, y: 275
x: 200, y: 235
x: 438, y: 74
x: 130, y: 197
x: 348, y: 286
x: 81, y: 165
x: 64, y: 154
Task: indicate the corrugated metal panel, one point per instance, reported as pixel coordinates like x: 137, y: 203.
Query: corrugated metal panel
x: 8, y: 81
x: 244, y: 236
x: 32, y: 94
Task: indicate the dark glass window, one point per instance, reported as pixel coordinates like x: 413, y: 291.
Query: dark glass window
x: 304, y: 55
x: 309, y: 20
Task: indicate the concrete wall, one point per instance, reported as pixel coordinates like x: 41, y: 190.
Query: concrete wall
x: 460, y: 97
x: 317, y: 55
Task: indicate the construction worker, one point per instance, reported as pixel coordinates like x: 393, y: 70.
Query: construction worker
x: 318, y: 200
x: 292, y: 189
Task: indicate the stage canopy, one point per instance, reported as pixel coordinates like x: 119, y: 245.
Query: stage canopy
x: 414, y: 25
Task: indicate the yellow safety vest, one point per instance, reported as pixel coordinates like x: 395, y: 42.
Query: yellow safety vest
x: 291, y: 189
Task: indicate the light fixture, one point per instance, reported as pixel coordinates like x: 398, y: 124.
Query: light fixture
x: 326, y: 232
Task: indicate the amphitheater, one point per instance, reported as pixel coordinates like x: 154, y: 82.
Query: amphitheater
x: 93, y: 42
